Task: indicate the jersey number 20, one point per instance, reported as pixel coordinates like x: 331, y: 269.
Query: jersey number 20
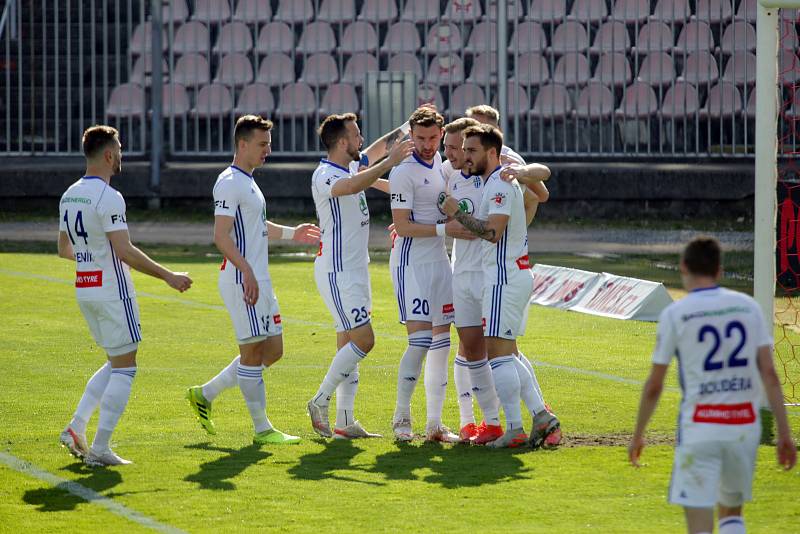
x: 730, y: 330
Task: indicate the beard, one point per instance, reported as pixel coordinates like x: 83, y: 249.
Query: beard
x: 354, y: 153
x: 477, y: 168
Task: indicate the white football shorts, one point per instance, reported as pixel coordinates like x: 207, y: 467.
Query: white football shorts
x: 468, y: 298
x: 505, y: 306
x: 347, y: 295
x: 424, y: 292
x: 114, y: 324
x: 252, y: 323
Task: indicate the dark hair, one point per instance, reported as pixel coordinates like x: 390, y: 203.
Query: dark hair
x: 246, y: 125
x: 425, y: 116
x: 459, y: 125
x: 96, y: 138
x: 334, y: 127
x: 489, y: 136
x: 702, y: 256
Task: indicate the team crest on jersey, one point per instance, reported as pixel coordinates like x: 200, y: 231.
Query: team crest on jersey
x: 476, y: 181
x: 426, y: 182
x: 499, y: 199
x: 440, y: 202
x: 466, y: 206
x: 362, y: 204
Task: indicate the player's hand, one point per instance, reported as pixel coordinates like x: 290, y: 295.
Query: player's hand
x: 306, y: 233
x: 450, y: 206
x: 179, y: 281
x: 507, y: 159
x: 456, y: 229
x: 787, y: 452
x: 512, y: 172
x: 635, y: 450
x: 250, y: 287
x: 399, y: 152
x: 392, y: 234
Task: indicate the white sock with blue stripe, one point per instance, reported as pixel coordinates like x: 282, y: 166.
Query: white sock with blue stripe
x: 112, y: 404
x: 251, y: 383
x: 527, y: 363
x: 527, y: 392
x: 480, y: 376
x: 342, y: 365
x: 436, y: 377
x: 463, y: 390
x: 90, y: 398
x: 733, y: 524
x: 226, y: 379
x: 506, y: 382
x: 409, y: 371
x: 346, y: 399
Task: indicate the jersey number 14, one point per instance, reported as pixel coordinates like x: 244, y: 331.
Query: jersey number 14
x: 80, y: 231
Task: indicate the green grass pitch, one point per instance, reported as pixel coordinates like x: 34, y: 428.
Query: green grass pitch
x: 185, y: 479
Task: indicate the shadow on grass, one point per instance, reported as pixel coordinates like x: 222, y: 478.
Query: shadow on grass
x: 216, y: 474
x: 59, y: 498
x: 336, y: 456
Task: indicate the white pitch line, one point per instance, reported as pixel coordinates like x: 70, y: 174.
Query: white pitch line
x: 89, y: 495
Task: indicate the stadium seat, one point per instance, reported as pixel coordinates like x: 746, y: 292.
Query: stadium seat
x: 514, y: 10
x: 696, y: 36
x: 445, y: 70
x: 295, y: 11
x: 142, y: 39
x: 547, y: 11
x: 572, y: 69
x: 402, y: 36
x: 320, y: 69
x: 126, y: 100
x: 713, y: 11
x: 482, y: 38
x: 531, y: 68
x: 552, y: 102
x: 672, y: 11
x: 631, y: 11
x: 213, y: 100
x: 337, y: 11
x: 484, y: 69
x: 462, y: 11
x: 724, y: 101
x: 256, y: 99
x: 788, y: 67
x: 355, y: 71
x: 192, y: 70
x: 612, y: 36
x: 174, y: 11
x: 296, y: 100
x: 234, y: 37
x: 253, y: 11
x: 378, y: 11
x: 655, y: 36
x: 443, y: 38
x: 234, y: 70
x: 680, y: 101
x: 430, y: 94
x: 191, y: 37
x: 174, y: 100
x: 143, y: 69
x: 463, y: 97
x: 639, y: 101
x: 595, y: 101
x: 405, y: 62
x: 339, y: 98
x: 317, y: 37
x: 528, y: 37
x: 657, y: 69
x: 275, y: 37
x: 747, y: 10
x: 588, y: 11
x: 700, y: 69
x: 517, y: 99
x: 359, y: 36
x: 740, y: 69
x: 211, y: 11
x: 613, y: 69
x: 420, y: 11
x: 738, y: 37
x: 276, y: 70
x: 750, y: 109
x: 570, y: 36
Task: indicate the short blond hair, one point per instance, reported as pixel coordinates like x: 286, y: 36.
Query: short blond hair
x: 458, y: 125
x: 484, y: 110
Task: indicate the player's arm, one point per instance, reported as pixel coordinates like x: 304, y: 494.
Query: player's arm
x: 364, y: 179
x: 381, y: 184
x: 647, y: 405
x: 306, y: 233
x: 405, y: 227
x: 785, y: 449
x: 491, y: 229
x: 65, y: 249
x: 136, y: 259
x: 531, y: 202
x: 223, y: 224
x: 383, y: 145
x: 529, y: 174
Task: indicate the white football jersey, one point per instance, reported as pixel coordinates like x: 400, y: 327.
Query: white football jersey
x: 511, y: 252
x: 467, y: 255
x: 88, y: 209
x: 448, y: 171
x: 418, y: 186
x: 237, y: 195
x: 343, y: 220
x: 508, y: 151
x: 715, y: 334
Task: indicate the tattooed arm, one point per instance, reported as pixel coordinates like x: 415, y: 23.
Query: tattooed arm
x: 491, y: 230
x: 382, y: 146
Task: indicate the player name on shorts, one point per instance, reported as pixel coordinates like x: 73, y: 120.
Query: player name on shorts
x: 88, y: 278
x: 725, y: 385
x: 725, y: 414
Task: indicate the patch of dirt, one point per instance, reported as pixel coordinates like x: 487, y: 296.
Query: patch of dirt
x: 612, y: 440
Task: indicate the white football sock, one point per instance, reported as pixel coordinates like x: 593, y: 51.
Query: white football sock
x: 480, y: 375
x: 527, y: 363
x: 527, y: 392
x: 90, y: 398
x: 346, y: 399
x: 409, y: 371
x: 733, y: 524
x: 226, y: 379
x: 506, y: 382
x: 251, y: 384
x: 463, y: 390
x: 436, y: 377
x: 342, y: 365
x: 112, y: 404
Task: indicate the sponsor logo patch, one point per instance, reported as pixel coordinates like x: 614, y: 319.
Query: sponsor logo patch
x: 88, y: 278
x: 524, y: 263
x: 499, y: 199
x: 276, y: 319
x: 448, y: 308
x: 725, y: 414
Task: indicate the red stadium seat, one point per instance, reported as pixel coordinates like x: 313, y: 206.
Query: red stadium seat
x: 482, y: 38
x: 337, y: 11
x: 680, y: 101
x: 405, y: 63
x: 588, y: 11
x: 213, y: 100
x: 420, y: 11
x: 357, y: 66
x: 339, y: 98
x: 654, y: 36
x: 484, y: 69
x: 212, y: 11
x: 126, y: 100
x: 657, y: 69
x: 672, y: 11
x: 639, y: 101
x: 713, y: 11
x: 547, y: 11
x: 740, y: 69
x: 612, y: 36
x: 462, y: 11
x: 174, y: 11
x: 514, y: 10
x: 296, y: 101
x: 255, y: 99
x: 234, y: 37
x: 359, y: 36
x: 747, y: 10
x: 430, y: 94
x: 316, y: 37
x: 572, y: 69
x: 465, y: 96
x: 724, y: 101
x: 234, y: 70
x: 142, y: 39
x: 401, y: 37
x: 519, y: 104
x: 631, y: 11
x: 378, y: 11
x: 443, y: 38
x: 445, y: 70
x: 531, y: 68
x: 191, y: 37
x: 553, y: 101
x: 253, y: 11
x: 699, y: 69
x: 570, y: 36
x: 738, y: 37
x: 320, y: 69
x: 613, y: 69
x: 275, y: 37
x: 528, y: 37
x: 750, y: 110
x: 143, y: 70
x: 295, y: 11
x: 595, y: 101
x: 192, y: 70
x: 174, y: 100
x: 276, y: 70
x: 696, y: 36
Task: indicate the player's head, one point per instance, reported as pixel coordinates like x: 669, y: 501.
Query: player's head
x: 453, y: 141
x: 341, y: 132
x: 252, y: 139
x: 101, y: 147
x: 701, y: 259
x: 484, y: 114
x: 482, y: 145
x: 426, y: 131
